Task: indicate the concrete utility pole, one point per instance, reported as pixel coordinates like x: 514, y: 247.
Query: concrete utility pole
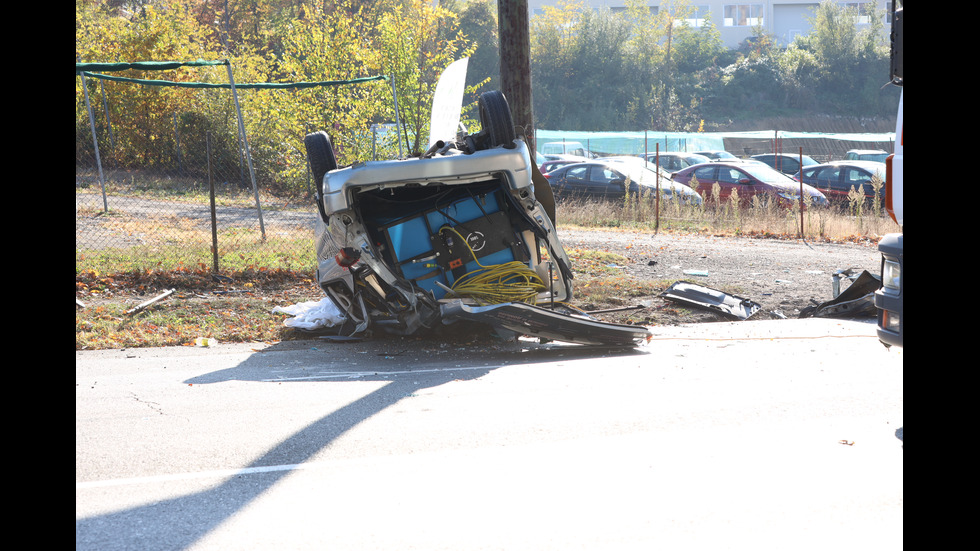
x: 515, y: 63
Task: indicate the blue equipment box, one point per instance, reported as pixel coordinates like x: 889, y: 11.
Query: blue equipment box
x: 439, y: 245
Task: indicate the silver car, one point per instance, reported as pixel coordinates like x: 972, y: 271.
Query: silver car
x: 455, y: 233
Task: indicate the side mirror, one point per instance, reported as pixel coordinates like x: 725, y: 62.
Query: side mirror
x: 744, y: 181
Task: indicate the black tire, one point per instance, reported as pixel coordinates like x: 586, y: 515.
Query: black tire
x: 319, y: 153
x: 496, y: 119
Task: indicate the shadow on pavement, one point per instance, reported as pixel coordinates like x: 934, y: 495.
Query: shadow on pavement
x: 178, y: 523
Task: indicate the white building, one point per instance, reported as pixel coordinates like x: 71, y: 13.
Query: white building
x: 735, y: 20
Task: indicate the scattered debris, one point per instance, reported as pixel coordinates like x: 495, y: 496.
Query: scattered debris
x: 340, y: 338
x: 848, y: 273
x: 855, y: 301
x: 693, y: 294
x: 620, y: 309
x: 310, y: 315
x: 547, y: 324
x: 153, y: 300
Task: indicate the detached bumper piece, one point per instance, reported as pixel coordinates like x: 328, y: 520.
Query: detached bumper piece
x: 692, y: 294
x: 856, y: 301
x: 543, y: 323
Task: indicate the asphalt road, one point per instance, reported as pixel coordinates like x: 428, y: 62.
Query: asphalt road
x: 750, y: 435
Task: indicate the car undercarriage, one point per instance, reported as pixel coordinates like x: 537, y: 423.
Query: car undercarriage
x: 456, y: 233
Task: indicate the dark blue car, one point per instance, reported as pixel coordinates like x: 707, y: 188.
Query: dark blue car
x: 837, y: 178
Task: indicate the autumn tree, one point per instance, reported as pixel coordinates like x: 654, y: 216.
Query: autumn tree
x: 142, y: 116
x: 416, y: 43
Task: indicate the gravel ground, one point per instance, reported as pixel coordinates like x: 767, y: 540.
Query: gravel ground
x: 782, y: 276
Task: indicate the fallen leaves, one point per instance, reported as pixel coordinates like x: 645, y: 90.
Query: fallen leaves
x: 223, y: 308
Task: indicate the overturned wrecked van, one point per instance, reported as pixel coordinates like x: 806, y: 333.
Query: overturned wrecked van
x: 453, y: 234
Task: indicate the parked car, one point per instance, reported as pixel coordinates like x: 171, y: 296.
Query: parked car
x: 717, y: 155
x: 875, y: 155
x: 611, y: 179
x: 784, y: 162
x: 549, y: 166
x: 566, y: 148
x: 565, y: 157
x: 672, y: 161
x: 750, y: 179
x: 539, y: 159
x: 638, y: 161
x: 836, y: 179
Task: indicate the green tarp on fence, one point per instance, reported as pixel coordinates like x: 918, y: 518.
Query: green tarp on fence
x: 89, y: 70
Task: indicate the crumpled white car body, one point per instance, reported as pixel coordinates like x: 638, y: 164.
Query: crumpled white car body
x: 456, y: 233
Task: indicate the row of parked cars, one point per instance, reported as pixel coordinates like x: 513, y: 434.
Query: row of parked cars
x: 776, y: 176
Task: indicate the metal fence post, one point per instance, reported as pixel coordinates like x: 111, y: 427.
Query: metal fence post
x: 248, y: 154
x: 180, y: 160
x: 656, y: 226
x: 398, y: 122
x: 108, y: 120
x: 802, y: 204
x: 95, y: 141
x: 214, y: 218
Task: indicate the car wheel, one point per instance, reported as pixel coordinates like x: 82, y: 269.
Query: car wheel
x: 496, y: 119
x: 319, y: 153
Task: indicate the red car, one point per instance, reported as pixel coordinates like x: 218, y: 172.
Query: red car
x: 749, y: 178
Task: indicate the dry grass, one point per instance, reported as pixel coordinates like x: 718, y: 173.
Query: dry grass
x: 258, y: 274
x: 855, y: 221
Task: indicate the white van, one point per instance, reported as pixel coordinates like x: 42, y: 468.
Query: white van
x: 566, y: 148
x: 876, y: 155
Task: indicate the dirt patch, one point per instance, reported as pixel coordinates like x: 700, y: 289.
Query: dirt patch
x: 782, y: 276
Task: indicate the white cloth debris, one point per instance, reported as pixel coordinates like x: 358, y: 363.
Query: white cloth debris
x: 311, y: 315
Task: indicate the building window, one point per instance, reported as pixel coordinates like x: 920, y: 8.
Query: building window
x: 698, y: 17
x: 692, y: 15
x: 743, y: 15
x: 861, y: 8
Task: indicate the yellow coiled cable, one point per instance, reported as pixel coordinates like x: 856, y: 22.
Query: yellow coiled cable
x: 508, y: 282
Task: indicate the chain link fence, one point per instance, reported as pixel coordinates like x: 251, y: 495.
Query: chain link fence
x: 192, y: 203
x: 162, y: 187
x: 830, y: 140
x: 157, y: 186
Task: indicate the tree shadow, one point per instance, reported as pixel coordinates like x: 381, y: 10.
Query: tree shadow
x: 180, y: 522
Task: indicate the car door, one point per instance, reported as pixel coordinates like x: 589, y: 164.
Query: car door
x: 787, y: 165
x: 605, y: 182
x: 858, y: 179
x: 705, y: 176
x: 770, y: 160
x: 671, y: 163
x: 731, y: 178
x: 827, y: 179
x: 574, y: 181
